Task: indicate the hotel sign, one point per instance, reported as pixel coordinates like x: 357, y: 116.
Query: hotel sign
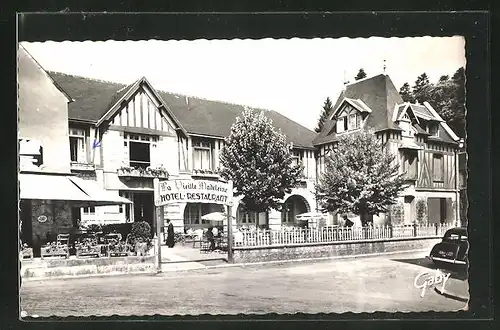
x: 193, y: 191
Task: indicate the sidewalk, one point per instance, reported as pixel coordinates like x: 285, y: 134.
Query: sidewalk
x: 181, y: 258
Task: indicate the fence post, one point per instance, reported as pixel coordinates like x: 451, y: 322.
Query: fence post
x: 390, y: 231
x: 436, y: 225
x: 414, y: 229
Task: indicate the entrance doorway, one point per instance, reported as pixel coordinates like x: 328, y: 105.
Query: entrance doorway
x: 294, y: 206
x: 409, y: 210
x: 437, y: 209
x: 144, y: 208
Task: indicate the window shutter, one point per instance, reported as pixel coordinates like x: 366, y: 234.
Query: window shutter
x: 81, y: 150
x: 340, y: 124
x: 126, y: 152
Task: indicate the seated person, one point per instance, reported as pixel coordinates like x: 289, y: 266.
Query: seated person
x: 210, y: 238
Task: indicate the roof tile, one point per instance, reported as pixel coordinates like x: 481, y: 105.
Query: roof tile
x: 93, y: 98
x: 379, y: 94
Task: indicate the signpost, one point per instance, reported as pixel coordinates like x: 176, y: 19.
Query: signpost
x: 192, y: 191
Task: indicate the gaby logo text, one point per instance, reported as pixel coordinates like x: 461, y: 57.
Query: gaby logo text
x: 427, y: 279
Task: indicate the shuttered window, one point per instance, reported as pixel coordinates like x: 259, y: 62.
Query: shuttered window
x: 409, y: 163
x: 437, y: 167
x: 342, y: 124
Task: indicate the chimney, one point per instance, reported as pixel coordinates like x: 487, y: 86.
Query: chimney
x: 345, y: 79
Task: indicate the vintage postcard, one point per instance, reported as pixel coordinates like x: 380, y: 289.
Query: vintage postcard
x: 256, y: 176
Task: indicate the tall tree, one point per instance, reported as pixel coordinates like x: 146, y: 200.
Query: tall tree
x: 360, y: 177
x: 444, y: 78
x: 327, y: 109
x: 361, y: 74
x: 422, y: 88
x: 257, y: 158
x: 406, y: 93
x: 448, y: 98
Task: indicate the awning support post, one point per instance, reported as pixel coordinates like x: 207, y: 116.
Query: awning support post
x: 159, y: 224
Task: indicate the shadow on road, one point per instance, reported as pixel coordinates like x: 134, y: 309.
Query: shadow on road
x: 457, y: 272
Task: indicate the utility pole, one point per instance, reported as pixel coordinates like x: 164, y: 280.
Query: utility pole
x: 230, y: 258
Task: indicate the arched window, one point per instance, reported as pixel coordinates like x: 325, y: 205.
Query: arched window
x: 293, y: 206
x: 244, y: 217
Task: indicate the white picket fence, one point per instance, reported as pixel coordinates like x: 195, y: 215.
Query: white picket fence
x: 335, y: 234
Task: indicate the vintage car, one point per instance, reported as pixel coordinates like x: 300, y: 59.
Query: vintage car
x: 453, y: 250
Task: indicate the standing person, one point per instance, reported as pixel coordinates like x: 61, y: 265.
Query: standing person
x: 170, y: 234
x: 211, y: 238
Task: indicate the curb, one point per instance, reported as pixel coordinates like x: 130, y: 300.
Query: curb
x: 240, y: 265
x: 305, y: 260
x: 451, y: 296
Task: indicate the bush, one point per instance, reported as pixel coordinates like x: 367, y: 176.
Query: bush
x: 93, y: 228
x: 421, y: 207
x: 141, y: 233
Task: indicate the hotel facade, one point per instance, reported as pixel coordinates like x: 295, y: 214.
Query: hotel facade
x: 121, y: 136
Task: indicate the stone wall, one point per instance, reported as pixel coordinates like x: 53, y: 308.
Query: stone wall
x: 326, y: 250
x: 53, y: 268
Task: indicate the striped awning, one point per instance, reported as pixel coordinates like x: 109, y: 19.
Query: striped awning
x: 46, y: 186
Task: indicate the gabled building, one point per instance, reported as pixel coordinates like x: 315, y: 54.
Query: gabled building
x: 50, y: 195
x: 425, y: 146
x: 120, y: 135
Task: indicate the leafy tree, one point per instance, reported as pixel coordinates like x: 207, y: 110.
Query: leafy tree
x: 406, y: 93
x: 422, y: 87
x: 448, y: 98
x: 257, y: 158
x: 360, y: 177
x: 327, y: 109
x: 361, y: 74
x: 444, y: 78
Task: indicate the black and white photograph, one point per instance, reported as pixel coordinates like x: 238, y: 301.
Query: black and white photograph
x: 242, y: 176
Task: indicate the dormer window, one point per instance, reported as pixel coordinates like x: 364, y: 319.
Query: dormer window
x: 433, y: 129
x: 342, y: 124
x: 406, y: 125
x: 348, y: 122
x: 354, y: 120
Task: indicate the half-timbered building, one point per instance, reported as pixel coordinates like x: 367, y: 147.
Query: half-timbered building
x: 121, y: 136
x: 424, y: 145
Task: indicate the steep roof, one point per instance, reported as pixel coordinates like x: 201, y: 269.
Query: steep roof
x: 421, y: 111
x: 378, y: 93
x: 93, y: 98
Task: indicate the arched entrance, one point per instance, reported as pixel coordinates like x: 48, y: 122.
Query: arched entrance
x: 293, y: 206
x: 194, y: 211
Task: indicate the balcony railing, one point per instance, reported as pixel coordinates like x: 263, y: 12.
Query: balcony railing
x: 206, y: 173
x: 140, y: 172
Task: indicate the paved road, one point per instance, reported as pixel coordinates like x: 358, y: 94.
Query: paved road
x: 383, y: 283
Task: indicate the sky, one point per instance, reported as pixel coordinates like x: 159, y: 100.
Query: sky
x: 291, y: 76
